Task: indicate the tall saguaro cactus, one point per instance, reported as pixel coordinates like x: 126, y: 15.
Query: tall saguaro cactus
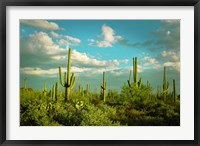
x: 165, y: 85
x: 56, y: 91
x: 174, y: 90
x: 68, y: 81
x: 135, y: 67
x: 45, y: 89
x: 88, y: 89
x: 53, y: 91
x: 103, y: 87
x: 25, y: 83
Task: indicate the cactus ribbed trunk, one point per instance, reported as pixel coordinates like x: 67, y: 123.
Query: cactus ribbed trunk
x: 68, y: 76
x: 67, y: 93
x: 45, y: 89
x: 135, y: 67
x: 56, y: 91
x: 174, y: 90
x: 53, y: 92
x: 165, y: 85
x: 103, y: 87
x: 136, y: 71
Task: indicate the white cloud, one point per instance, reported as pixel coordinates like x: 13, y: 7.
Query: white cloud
x: 171, y: 59
x: 91, y: 40
x: 102, y: 44
x: 39, y: 72
x: 68, y: 40
x: 171, y: 22
x: 109, y: 38
x: 157, y: 66
x: 55, y: 35
x: 50, y: 72
x: 170, y: 56
x: 108, y: 33
x: 126, y: 61
x: 42, y: 51
x: 41, y: 24
x: 149, y: 61
x: 84, y: 59
x: 72, y: 40
x: 173, y: 65
x: 40, y: 43
x: 79, y: 70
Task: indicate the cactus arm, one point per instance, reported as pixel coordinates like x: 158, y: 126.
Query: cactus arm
x: 129, y: 84
x: 102, y: 87
x: 65, y: 77
x: 130, y: 79
x: 73, y: 80
x: 60, y: 74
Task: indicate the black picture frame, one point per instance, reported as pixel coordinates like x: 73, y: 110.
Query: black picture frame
x: 5, y: 3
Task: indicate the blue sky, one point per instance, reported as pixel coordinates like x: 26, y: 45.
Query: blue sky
x: 99, y: 45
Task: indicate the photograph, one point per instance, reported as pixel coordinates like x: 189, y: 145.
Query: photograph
x: 104, y: 72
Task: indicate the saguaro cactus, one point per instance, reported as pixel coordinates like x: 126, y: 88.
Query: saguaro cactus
x: 103, y: 87
x: 25, y: 83
x: 174, y: 90
x: 53, y: 91
x: 50, y: 93
x: 68, y: 81
x: 136, y: 71
x: 80, y: 88
x: 149, y: 89
x: 158, y: 91
x: 45, y: 89
x: 56, y: 91
x: 88, y: 89
x: 165, y: 85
